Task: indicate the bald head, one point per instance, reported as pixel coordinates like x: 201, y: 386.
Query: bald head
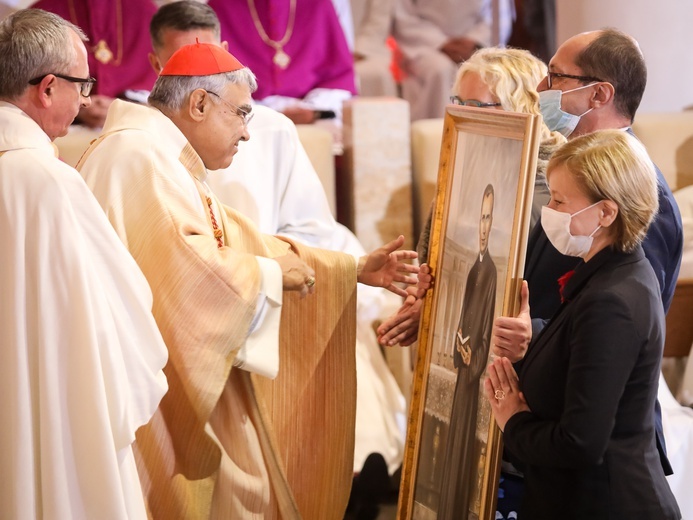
x: 613, y: 57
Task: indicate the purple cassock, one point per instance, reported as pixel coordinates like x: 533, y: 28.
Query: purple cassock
x: 118, y: 45
x: 292, y: 46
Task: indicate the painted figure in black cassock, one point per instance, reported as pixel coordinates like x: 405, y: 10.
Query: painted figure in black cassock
x: 472, y: 343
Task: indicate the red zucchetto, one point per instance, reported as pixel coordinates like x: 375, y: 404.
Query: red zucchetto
x: 200, y: 59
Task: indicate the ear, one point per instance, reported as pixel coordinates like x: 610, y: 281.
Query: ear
x: 603, y: 94
x: 45, y: 90
x: 607, y: 213
x: 198, y: 105
x: 225, y: 45
x: 154, y: 62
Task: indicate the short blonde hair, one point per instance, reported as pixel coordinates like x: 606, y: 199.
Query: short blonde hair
x: 613, y: 165
x: 512, y: 76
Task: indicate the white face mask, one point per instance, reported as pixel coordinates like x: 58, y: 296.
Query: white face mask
x: 554, y: 116
x: 556, y: 225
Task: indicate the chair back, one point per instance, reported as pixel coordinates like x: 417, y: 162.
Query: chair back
x: 679, y: 336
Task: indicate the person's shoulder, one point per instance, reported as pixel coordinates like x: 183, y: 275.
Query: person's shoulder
x: 667, y: 222
x: 38, y: 167
x: 624, y: 280
x: 35, y: 175
x: 129, y: 149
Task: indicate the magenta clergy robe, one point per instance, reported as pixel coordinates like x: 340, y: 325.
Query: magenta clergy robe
x: 317, y: 47
x: 123, y: 27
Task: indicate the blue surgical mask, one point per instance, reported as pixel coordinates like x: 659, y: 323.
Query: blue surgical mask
x: 554, y: 116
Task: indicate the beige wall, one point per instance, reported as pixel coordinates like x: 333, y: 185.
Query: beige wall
x: 664, y: 29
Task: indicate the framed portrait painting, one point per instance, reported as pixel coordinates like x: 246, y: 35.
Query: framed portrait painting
x: 476, y: 252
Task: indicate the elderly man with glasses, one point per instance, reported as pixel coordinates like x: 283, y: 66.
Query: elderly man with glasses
x: 81, y: 359
x: 248, y: 399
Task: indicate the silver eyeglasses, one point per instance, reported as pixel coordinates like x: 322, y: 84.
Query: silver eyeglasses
x: 455, y: 100
x: 245, y: 115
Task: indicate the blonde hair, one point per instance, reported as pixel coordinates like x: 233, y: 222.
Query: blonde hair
x: 512, y: 76
x: 613, y: 165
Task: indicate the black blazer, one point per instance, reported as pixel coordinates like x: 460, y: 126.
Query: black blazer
x: 663, y: 247
x: 590, y: 379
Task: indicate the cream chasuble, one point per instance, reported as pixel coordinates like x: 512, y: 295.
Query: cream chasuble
x: 81, y: 356
x: 220, y: 433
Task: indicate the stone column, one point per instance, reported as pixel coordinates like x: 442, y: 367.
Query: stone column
x: 374, y: 181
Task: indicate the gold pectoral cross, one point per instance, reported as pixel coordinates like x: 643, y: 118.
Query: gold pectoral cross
x: 102, y: 52
x: 281, y: 59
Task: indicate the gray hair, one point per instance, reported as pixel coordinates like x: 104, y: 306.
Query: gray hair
x: 172, y: 92
x: 33, y: 43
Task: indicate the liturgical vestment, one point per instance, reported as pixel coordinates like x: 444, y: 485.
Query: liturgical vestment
x: 221, y: 434
x: 272, y: 182
x: 81, y: 359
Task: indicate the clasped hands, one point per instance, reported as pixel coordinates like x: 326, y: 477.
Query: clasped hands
x: 510, y: 338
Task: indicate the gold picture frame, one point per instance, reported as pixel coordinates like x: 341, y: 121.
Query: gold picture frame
x: 478, y: 239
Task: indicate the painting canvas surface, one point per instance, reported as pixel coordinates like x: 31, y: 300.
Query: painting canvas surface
x: 476, y: 248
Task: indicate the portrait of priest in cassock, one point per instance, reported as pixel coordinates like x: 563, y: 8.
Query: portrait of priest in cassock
x: 472, y: 344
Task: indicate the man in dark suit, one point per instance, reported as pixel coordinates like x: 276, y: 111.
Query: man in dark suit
x: 595, y: 82
x: 601, y: 75
x: 472, y: 344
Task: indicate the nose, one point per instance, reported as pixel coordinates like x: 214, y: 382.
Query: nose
x: 85, y: 101
x: 543, y: 84
x: 245, y: 135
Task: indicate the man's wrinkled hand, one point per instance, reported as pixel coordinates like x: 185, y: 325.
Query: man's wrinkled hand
x: 296, y: 274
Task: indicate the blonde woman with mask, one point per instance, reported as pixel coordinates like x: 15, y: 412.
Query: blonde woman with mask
x: 578, y: 411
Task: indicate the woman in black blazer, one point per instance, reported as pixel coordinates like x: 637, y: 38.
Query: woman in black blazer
x: 578, y: 413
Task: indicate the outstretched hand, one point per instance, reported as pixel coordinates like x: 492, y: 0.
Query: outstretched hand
x: 386, y: 265
x: 510, y: 337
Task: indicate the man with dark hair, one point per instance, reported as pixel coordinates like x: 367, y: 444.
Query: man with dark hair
x: 175, y: 21
x: 615, y: 57
x: 595, y: 82
x: 605, y: 74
